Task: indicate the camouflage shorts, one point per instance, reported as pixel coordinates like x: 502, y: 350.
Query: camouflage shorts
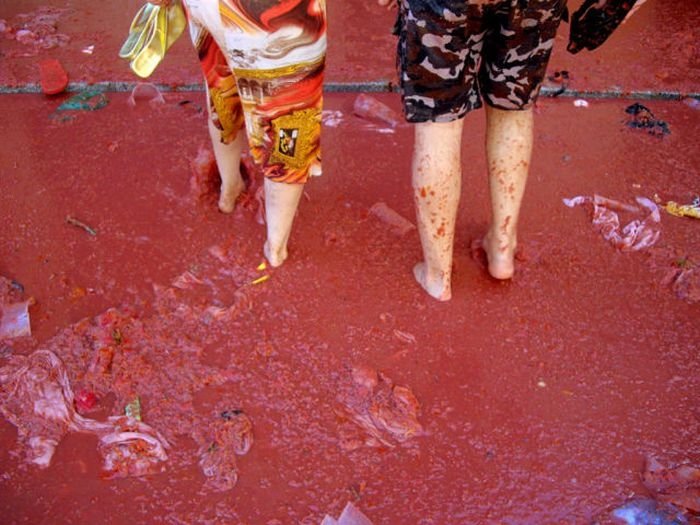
x: 451, y: 53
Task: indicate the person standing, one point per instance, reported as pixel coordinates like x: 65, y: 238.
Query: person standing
x: 263, y: 63
x: 454, y: 56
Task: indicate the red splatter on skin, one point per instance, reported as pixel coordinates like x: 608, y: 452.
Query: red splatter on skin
x: 506, y: 222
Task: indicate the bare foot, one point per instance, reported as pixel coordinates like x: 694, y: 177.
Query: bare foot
x: 228, y: 196
x: 276, y: 257
x: 438, y: 288
x: 500, y: 255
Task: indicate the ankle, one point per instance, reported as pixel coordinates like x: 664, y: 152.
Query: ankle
x: 275, y: 254
x: 500, y: 242
x: 437, y: 283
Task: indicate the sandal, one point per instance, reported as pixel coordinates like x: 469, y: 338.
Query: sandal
x: 140, y: 28
x: 177, y: 21
x: 155, y: 45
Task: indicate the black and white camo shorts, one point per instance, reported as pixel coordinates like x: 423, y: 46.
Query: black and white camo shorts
x: 451, y: 53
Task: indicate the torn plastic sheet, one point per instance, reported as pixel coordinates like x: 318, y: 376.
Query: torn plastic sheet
x: 675, y: 497
x: 375, y: 412
x: 686, y: 284
x: 37, y: 398
x: 14, y: 320
x: 230, y: 436
x: 679, y: 486
x: 36, y: 31
x: 186, y: 280
x: 369, y: 108
x: 398, y: 223
x: 108, y: 360
x: 636, y: 235
x: 145, y: 92
x: 646, y: 511
x: 331, y: 118
x: 351, y: 515
x: 131, y: 448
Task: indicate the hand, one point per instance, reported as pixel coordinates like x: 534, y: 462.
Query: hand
x: 389, y: 4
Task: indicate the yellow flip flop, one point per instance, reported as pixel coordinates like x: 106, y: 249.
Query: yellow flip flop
x: 140, y: 28
x: 177, y: 21
x: 153, y: 51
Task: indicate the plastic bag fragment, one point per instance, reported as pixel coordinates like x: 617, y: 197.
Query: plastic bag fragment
x: 37, y: 398
x: 232, y: 436
x: 131, y: 448
x: 145, y: 92
x: 679, y: 486
x: 636, y: 235
x: 370, y: 108
x: 382, y: 412
x: 331, y: 118
x: 36, y: 31
x: 351, y: 515
x: 399, y: 224
x: 14, y: 320
x: 646, y: 511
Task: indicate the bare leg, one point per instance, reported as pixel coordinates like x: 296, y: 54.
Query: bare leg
x: 281, y: 202
x: 228, y: 160
x: 509, y: 136
x: 436, y: 187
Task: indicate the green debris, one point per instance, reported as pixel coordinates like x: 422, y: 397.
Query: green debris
x: 133, y: 409
x: 89, y: 100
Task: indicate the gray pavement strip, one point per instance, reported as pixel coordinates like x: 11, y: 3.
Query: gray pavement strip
x: 361, y: 87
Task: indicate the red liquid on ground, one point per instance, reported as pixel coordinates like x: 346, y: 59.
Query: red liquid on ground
x: 540, y: 398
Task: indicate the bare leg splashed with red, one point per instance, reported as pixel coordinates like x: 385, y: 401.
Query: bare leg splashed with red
x: 451, y: 56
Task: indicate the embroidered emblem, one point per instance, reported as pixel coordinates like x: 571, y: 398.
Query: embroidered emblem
x: 294, y: 136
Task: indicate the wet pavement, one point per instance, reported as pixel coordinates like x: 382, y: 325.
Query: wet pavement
x: 539, y: 400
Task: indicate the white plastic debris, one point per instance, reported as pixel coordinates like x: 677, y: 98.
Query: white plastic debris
x: 14, y: 320
x: 147, y: 92
x: 331, y: 118
x: 636, y: 235
x: 351, y: 516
